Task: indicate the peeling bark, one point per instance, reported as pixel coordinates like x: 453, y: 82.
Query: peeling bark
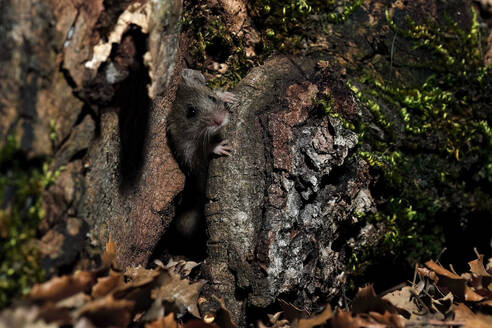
x: 133, y: 178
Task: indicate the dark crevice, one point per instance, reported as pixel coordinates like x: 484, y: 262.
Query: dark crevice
x: 86, y: 110
x: 134, y: 112
x: 68, y: 77
x: 190, y: 245
x: 78, y: 155
x: 335, y: 177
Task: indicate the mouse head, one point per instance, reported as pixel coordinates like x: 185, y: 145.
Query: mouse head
x: 197, y: 111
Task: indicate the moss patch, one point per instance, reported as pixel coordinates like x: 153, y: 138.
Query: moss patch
x: 21, y: 184
x: 429, y: 144
x: 285, y: 26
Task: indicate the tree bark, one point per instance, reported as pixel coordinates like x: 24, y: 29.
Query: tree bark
x: 282, y: 209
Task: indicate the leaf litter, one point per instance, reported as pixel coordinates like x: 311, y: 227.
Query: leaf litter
x: 166, y: 297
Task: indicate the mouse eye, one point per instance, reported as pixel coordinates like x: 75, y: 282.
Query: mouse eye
x: 212, y: 98
x: 191, y: 111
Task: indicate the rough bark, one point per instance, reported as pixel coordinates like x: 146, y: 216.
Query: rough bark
x: 133, y: 179
x: 84, y: 85
x: 282, y: 209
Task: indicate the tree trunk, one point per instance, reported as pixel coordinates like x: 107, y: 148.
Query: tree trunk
x: 281, y: 210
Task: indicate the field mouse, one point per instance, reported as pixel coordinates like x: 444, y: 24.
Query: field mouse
x: 196, y: 118
x: 193, y: 130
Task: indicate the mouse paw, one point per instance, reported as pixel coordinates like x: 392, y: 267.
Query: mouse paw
x: 223, y: 148
x: 227, y: 97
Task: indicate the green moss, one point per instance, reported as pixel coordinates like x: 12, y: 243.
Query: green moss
x: 282, y: 26
x: 21, y: 185
x: 432, y: 144
x: 286, y: 24
x: 212, y: 41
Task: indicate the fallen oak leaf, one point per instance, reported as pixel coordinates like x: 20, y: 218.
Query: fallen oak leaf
x: 316, y: 320
x: 50, y: 313
x: 482, y: 279
x: 107, y: 312
x: 402, y: 298
x: 172, y: 289
x: 424, y: 272
x: 26, y: 317
x: 470, y: 319
x: 223, y: 316
x: 291, y: 312
x: 477, y: 267
x: 437, y: 268
x: 59, y: 288
x: 198, y: 324
x: 454, y: 283
x: 137, y: 277
x: 165, y: 322
x: 433, y: 322
x: 74, y: 301
x: 486, y: 303
x: 366, y: 301
x: 105, y: 285
x: 462, y: 312
x: 182, y: 267
x: 109, y: 254
x: 342, y: 319
x: 389, y: 319
x: 275, y: 321
x: 443, y: 305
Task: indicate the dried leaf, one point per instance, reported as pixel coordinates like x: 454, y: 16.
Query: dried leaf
x: 178, y: 291
x: 107, y: 312
x: 165, y: 322
x: 75, y: 301
x: 462, y: 312
x: 343, y: 319
x: 84, y: 323
x: 443, y: 305
x: 155, y: 312
x: 367, y: 301
x: 139, y: 276
x: 316, y: 320
x: 440, y: 270
x: 472, y: 320
x: 49, y: 313
x: 291, y: 312
x: 109, y: 253
x: 476, y: 267
x: 59, y: 288
x: 486, y: 303
x: 424, y: 272
x: 224, y: 316
x: 198, y: 324
x: 389, y: 319
x: 182, y: 267
x: 454, y: 283
x: 107, y: 284
x: 25, y: 317
x: 471, y: 296
x: 402, y: 299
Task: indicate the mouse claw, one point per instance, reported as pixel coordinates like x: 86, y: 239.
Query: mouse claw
x: 227, y: 97
x: 223, y: 148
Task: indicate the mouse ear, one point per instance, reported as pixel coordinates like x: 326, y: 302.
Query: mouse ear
x: 191, y: 76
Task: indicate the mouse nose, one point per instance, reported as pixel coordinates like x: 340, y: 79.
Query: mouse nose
x: 218, y: 120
